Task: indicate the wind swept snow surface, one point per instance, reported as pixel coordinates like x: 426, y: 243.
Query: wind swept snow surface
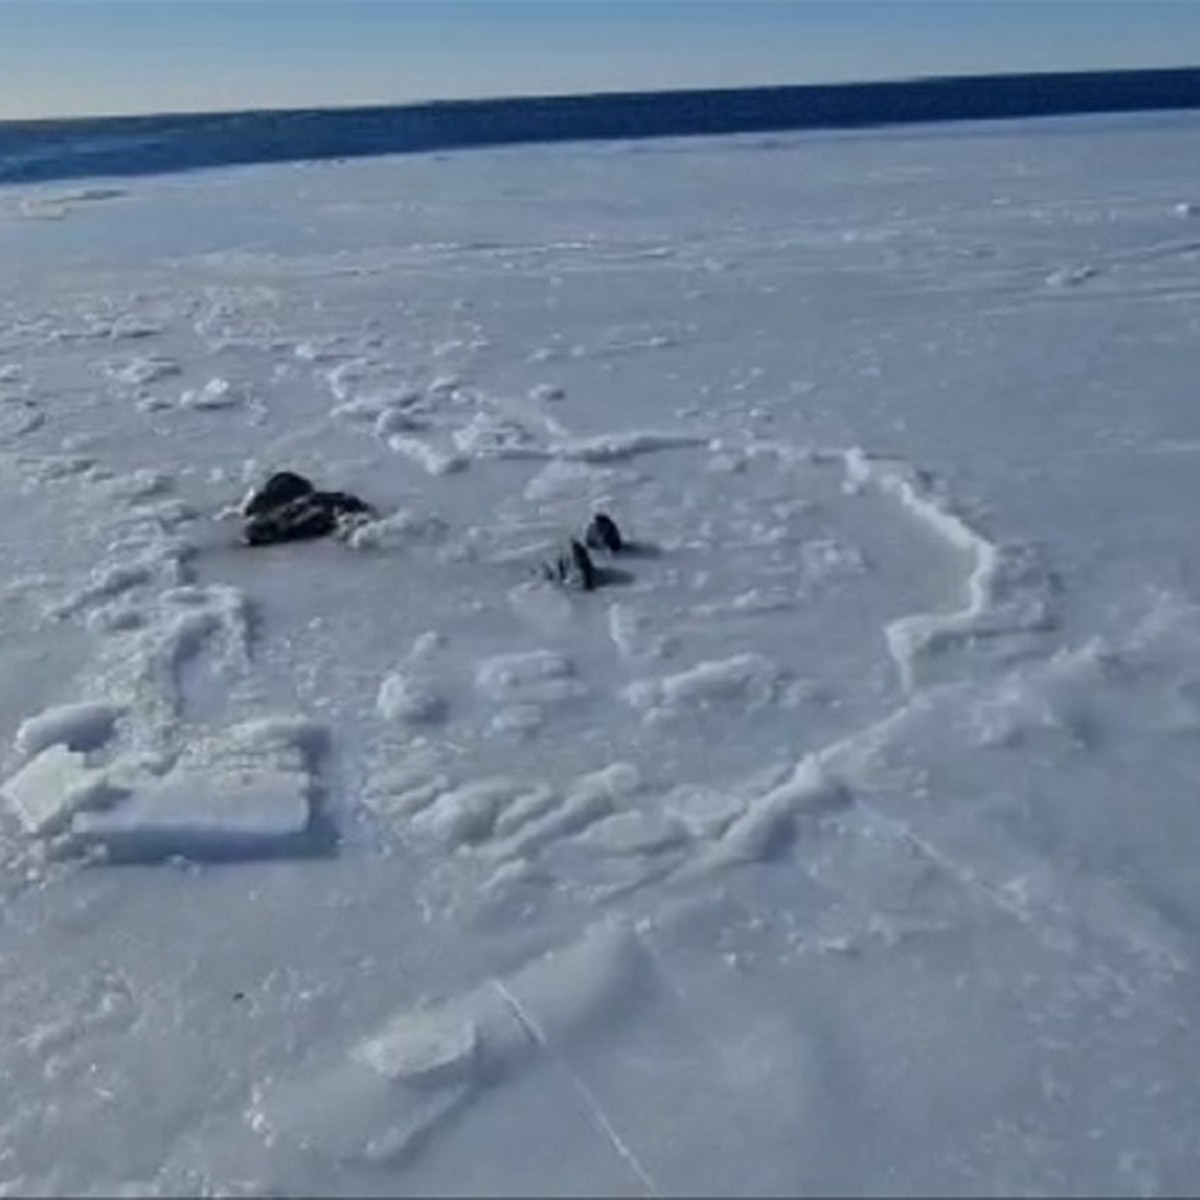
x: 842, y: 841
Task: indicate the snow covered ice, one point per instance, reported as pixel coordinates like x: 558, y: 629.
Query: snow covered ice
x: 843, y: 841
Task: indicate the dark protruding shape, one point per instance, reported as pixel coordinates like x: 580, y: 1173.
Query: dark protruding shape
x: 342, y: 502
x: 582, y: 567
x: 282, y: 488
x: 288, y: 509
x: 602, y: 534
x: 302, y: 518
x: 572, y: 568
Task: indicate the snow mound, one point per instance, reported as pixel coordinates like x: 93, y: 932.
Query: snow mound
x: 218, y: 393
x: 141, y: 370
x: 405, y: 697
x: 534, y: 677
x: 744, y: 681
x: 1009, y: 590
x: 83, y: 726
x: 605, y: 448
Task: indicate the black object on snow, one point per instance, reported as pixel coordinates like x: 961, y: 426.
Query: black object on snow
x: 294, y: 521
x: 345, y: 503
x: 288, y: 508
x: 572, y: 568
x: 282, y: 488
x: 602, y: 534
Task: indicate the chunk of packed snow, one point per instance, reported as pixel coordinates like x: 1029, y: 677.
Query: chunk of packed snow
x: 613, y: 447
x: 398, y: 529
x: 430, y: 458
x: 215, y: 394
x: 432, y: 1045
x: 80, y: 726
x: 51, y: 788
x: 538, y: 677
x: 749, y: 680
x: 203, y: 814
x: 143, y: 369
x: 407, y: 697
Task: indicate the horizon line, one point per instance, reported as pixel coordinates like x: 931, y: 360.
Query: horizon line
x: 44, y: 148
x: 622, y: 93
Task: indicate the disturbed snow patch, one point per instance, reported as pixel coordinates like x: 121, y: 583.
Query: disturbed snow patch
x: 246, y: 793
x: 1010, y: 589
x: 389, y: 1094
x: 745, y: 681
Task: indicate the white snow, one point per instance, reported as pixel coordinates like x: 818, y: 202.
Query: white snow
x: 48, y: 790
x: 432, y: 459
x: 397, y: 530
x: 1008, y: 590
x: 142, y: 369
x: 422, y: 1046
x: 82, y: 726
x: 403, y: 697
x: 540, y: 677
x: 614, y: 447
x: 632, y: 634
x: 841, y: 842
x: 745, y: 680
x: 202, y: 814
x: 215, y: 394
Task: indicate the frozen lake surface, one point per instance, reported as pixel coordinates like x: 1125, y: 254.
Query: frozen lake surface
x: 843, y: 841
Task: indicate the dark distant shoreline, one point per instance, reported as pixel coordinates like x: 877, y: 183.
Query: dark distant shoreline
x: 32, y: 151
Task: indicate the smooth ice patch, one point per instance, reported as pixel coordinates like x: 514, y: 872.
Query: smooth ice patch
x: 19, y: 419
x: 703, y: 811
x: 825, y: 559
x: 578, y: 482
x: 139, y: 485
x: 633, y: 635
x: 559, y: 996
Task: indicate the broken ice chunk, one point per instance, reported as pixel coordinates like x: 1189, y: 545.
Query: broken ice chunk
x: 430, y: 1046
x: 51, y: 788
x: 203, y: 814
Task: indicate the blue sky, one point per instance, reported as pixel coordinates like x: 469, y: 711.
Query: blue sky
x: 122, y: 56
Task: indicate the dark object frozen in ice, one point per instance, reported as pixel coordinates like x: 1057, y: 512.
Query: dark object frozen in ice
x: 572, y: 568
x: 288, y: 508
x: 602, y: 534
x: 282, y: 488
